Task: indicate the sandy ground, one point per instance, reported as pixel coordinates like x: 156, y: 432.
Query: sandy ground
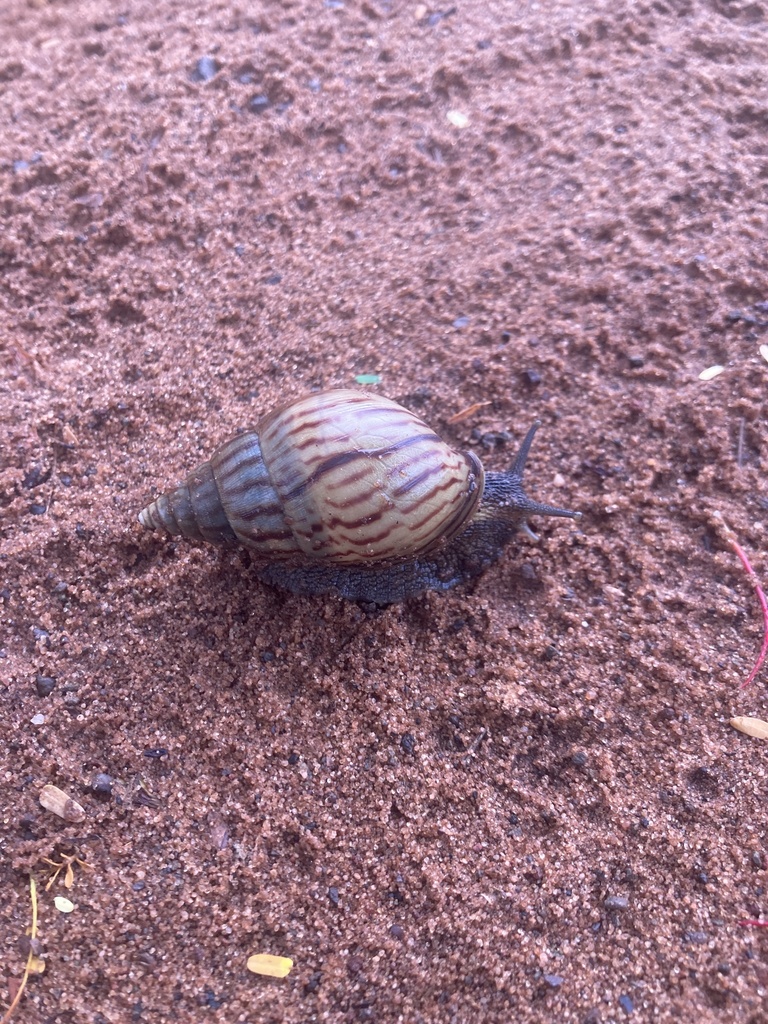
x: 518, y: 801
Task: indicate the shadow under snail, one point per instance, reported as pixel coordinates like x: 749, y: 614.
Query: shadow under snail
x: 347, y: 492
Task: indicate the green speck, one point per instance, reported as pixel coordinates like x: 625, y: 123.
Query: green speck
x: 368, y: 378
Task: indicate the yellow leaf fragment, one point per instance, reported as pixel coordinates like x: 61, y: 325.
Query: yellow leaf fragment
x: 751, y: 726
x: 63, y: 905
x: 711, y: 372
x: 269, y: 965
x: 35, y: 965
x: 58, y: 802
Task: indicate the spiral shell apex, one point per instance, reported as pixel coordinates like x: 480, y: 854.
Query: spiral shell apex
x: 341, y: 477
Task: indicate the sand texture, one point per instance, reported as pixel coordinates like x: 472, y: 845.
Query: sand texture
x: 517, y: 802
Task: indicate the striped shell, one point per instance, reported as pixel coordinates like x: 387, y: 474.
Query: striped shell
x: 339, y: 476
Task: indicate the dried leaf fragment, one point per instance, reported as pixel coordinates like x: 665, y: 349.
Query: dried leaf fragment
x: 751, y: 726
x: 58, y: 802
x: 63, y: 905
x: 459, y: 417
x: 711, y: 372
x: 269, y: 965
x: 35, y: 964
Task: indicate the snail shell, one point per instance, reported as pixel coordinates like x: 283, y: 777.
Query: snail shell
x: 341, y: 477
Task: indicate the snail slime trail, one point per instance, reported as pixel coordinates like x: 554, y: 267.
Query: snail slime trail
x: 349, y: 493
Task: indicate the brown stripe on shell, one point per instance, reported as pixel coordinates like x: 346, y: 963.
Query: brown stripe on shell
x: 344, y: 458
x: 348, y: 452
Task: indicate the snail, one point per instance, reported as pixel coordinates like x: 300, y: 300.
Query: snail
x: 348, y: 492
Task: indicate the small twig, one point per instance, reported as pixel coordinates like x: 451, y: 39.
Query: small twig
x: 740, y: 445
x: 475, y: 744
x: 459, y: 417
x: 752, y: 923
x: 30, y: 955
x: 730, y: 537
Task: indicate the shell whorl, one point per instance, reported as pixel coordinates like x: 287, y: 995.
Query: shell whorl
x: 339, y: 476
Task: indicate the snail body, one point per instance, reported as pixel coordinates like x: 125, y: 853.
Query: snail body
x: 349, y: 492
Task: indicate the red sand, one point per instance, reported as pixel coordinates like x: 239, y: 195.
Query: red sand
x: 516, y: 802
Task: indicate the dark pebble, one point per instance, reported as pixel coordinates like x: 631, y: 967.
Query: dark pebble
x: 40, y: 634
x: 37, y: 509
x: 396, y: 931
x: 333, y: 895
x: 636, y: 361
x: 35, y: 476
x: 355, y: 964
x: 724, y: 969
x: 313, y: 982
x: 102, y: 784
x: 699, y: 938
x: 579, y: 759
x: 138, y: 886
x: 60, y: 588
x: 506, y: 336
x: 258, y: 104
x: 626, y: 1004
x: 616, y: 903
x: 205, y: 69
x: 532, y: 377
x: 408, y: 743
x: 212, y: 1001
x: 44, y: 685
x: 156, y: 752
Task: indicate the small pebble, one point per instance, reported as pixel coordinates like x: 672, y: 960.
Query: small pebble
x: 637, y: 361
x: 63, y: 905
x: 38, y: 719
x: 102, y: 784
x: 258, y: 104
x: 408, y: 743
x: 626, y: 1004
x: 554, y: 980
x: 457, y: 118
x: 461, y: 321
x: 205, y: 69
x: 616, y: 903
x: 44, y: 685
x: 35, y: 476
